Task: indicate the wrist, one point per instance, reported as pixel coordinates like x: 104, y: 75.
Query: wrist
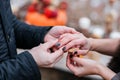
x: 105, y: 72
x: 90, y: 40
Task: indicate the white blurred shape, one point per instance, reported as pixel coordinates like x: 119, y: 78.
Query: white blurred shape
x: 95, y: 3
x: 98, y: 32
x: 84, y: 23
x: 115, y: 34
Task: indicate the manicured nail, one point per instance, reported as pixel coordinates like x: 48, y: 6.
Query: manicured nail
x: 75, y: 52
x: 51, y: 50
x: 57, y: 44
x: 78, y: 55
x: 64, y: 48
x: 71, y: 56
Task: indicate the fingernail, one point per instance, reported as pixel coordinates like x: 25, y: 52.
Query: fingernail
x: 51, y: 50
x: 71, y: 56
x: 57, y: 44
x: 64, y: 48
x: 78, y: 55
x: 75, y: 52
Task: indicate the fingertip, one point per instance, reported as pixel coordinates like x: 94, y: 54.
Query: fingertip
x: 76, y: 59
x: 55, y: 41
x: 51, y: 42
x: 64, y: 49
x: 59, y: 51
x: 82, y: 52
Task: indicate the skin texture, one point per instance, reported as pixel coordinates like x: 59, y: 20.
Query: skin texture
x: 77, y: 40
x: 82, y: 67
x: 57, y: 31
x: 43, y: 55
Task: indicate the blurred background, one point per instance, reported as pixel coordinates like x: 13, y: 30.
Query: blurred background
x: 94, y: 18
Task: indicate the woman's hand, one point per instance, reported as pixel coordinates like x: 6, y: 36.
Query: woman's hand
x: 76, y: 40
x: 82, y: 67
x: 44, y: 57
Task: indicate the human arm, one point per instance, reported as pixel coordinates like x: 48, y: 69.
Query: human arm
x: 22, y: 67
x: 43, y: 55
x: 104, y: 46
x: 28, y: 36
x: 31, y: 36
x: 25, y: 66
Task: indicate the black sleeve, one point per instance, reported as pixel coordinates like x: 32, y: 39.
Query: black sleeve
x: 28, y: 36
x: 23, y: 67
x: 114, y: 64
x: 116, y: 77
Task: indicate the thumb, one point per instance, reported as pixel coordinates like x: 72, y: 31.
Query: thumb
x: 83, y: 52
x: 50, y: 44
x: 78, y: 60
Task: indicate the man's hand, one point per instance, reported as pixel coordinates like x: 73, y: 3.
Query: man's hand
x: 57, y: 31
x: 44, y: 57
x: 82, y: 67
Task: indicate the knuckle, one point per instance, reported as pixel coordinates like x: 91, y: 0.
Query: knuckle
x: 75, y: 42
x: 41, y: 46
x: 51, y: 66
x: 76, y: 74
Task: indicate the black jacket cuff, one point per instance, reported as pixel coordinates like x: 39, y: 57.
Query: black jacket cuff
x: 33, y: 65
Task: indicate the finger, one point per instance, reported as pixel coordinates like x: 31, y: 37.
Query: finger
x: 82, y: 52
x: 77, y: 42
x: 58, y: 59
x: 57, y: 54
x: 50, y: 44
x: 63, y: 35
x: 49, y: 38
x: 70, y: 30
x: 69, y: 65
x: 54, y: 49
x: 65, y: 40
x: 79, y: 61
x: 74, y: 31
